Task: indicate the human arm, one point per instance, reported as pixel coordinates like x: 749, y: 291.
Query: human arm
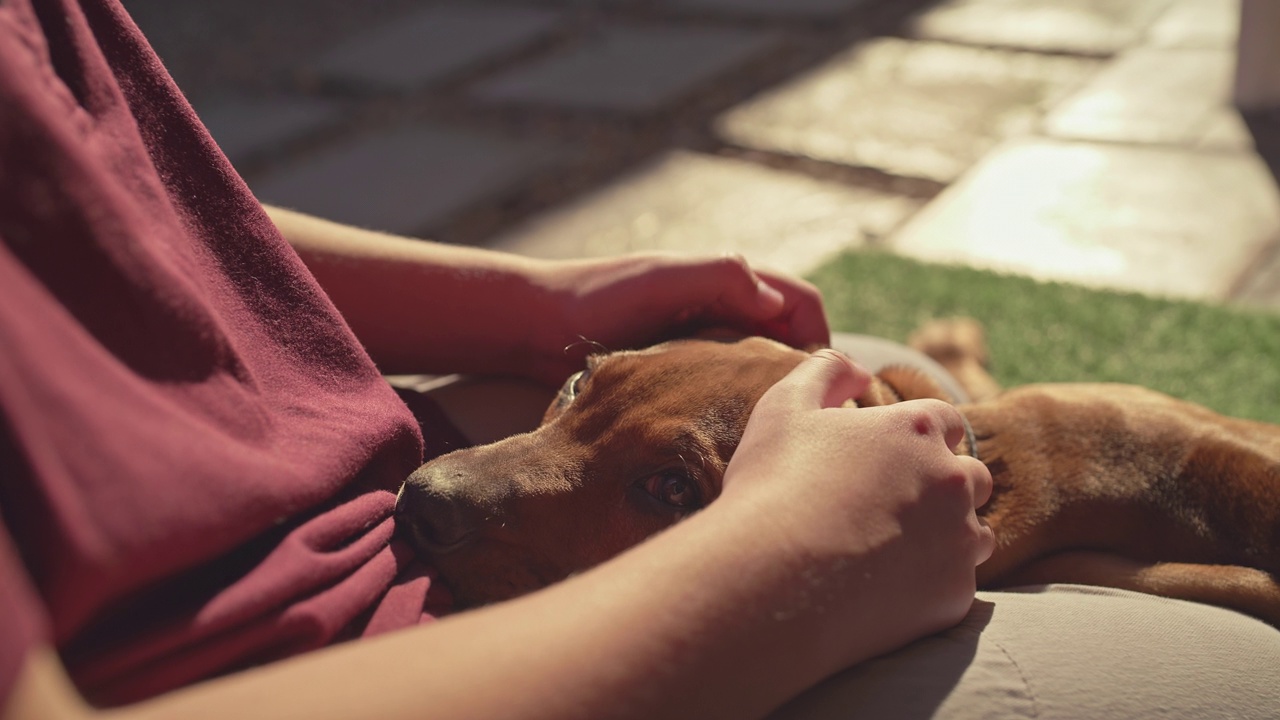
x: 421, y: 306
x: 841, y: 533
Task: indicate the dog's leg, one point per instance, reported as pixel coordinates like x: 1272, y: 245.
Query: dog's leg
x: 896, y: 383
x: 1187, y: 495
x: 1248, y: 590
x: 960, y: 346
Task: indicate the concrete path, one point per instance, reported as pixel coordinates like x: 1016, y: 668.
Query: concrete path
x: 1090, y: 141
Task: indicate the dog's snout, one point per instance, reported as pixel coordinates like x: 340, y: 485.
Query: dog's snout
x: 435, y: 519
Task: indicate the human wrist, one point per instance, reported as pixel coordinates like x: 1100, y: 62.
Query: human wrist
x: 734, y: 601
x: 817, y: 588
x: 544, y: 324
x: 848, y: 559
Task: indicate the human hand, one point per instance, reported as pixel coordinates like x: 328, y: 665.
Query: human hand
x: 868, y: 509
x: 637, y: 300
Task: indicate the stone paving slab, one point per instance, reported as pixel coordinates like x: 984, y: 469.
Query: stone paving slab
x: 403, y: 181
x: 428, y: 45
x: 1099, y: 27
x: 918, y: 109
x: 689, y: 202
x: 627, y: 68
x: 1155, y: 220
x: 1263, y: 289
x: 1197, y: 24
x: 1226, y: 130
x: 245, y: 127
x: 773, y: 8
x: 1149, y: 95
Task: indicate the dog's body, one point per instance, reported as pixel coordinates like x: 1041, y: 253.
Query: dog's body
x: 1109, y: 485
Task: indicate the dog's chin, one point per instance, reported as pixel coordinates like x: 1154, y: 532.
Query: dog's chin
x: 472, y: 587
x: 471, y: 595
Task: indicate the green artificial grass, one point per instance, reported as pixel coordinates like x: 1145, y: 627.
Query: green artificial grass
x: 1225, y: 358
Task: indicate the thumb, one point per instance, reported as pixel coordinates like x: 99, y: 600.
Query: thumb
x: 728, y: 286
x: 825, y: 379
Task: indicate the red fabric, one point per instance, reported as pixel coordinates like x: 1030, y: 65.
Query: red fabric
x: 197, y: 459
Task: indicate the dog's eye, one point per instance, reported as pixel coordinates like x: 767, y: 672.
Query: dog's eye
x: 673, y: 489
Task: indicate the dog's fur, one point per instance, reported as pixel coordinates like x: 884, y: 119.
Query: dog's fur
x: 1097, y: 484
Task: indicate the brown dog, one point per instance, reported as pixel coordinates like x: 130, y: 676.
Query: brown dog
x: 1109, y: 485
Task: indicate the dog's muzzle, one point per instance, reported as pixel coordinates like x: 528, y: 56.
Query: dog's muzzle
x: 433, y: 521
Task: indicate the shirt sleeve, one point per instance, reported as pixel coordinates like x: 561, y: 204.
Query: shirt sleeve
x: 23, y: 621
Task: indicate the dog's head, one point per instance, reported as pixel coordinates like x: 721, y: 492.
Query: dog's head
x: 633, y: 443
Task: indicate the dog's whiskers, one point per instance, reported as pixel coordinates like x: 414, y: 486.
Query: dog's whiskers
x: 582, y: 340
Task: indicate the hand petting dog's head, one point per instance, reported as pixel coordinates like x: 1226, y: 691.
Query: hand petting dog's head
x: 632, y: 444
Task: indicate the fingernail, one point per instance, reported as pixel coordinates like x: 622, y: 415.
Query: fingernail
x: 852, y: 360
x: 837, y: 355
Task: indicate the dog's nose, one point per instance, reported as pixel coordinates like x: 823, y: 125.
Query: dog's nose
x: 435, y: 520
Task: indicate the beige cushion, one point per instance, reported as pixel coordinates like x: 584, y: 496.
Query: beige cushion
x: 1067, y: 651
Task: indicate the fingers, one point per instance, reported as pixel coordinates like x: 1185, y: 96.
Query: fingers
x: 978, y: 482
x: 983, y: 483
x: 802, y: 321
x: 944, y: 426
x: 664, y: 296
x: 940, y: 417
x: 826, y: 379
x: 934, y: 417
x: 731, y: 283
x: 769, y: 300
x: 986, y: 545
x: 784, y: 308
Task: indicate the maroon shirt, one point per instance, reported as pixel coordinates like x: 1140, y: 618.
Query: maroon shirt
x: 197, y: 459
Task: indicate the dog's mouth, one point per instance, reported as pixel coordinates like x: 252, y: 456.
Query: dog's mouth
x: 425, y: 544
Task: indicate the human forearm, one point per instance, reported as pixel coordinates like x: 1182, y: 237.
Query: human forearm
x: 840, y: 534
x: 426, y: 307
x: 661, y: 632
x: 703, y: 621
x: 712, y: 619
x: 420, y: 306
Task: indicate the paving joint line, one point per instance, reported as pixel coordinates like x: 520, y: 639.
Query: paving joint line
x: 1264, y: 258
x: 1010, y: 49
x: 858, y: 176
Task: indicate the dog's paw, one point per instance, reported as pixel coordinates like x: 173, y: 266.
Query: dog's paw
x: 951, y: 340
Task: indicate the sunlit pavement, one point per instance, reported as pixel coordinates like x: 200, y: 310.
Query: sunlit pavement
x: 1090, y: 141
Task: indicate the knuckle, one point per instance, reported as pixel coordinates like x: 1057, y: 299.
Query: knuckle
x: 737, y: 264
x: 935, y: 416
x: 922, y: 416
x: 954, y: 481
x: 923, y: 423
